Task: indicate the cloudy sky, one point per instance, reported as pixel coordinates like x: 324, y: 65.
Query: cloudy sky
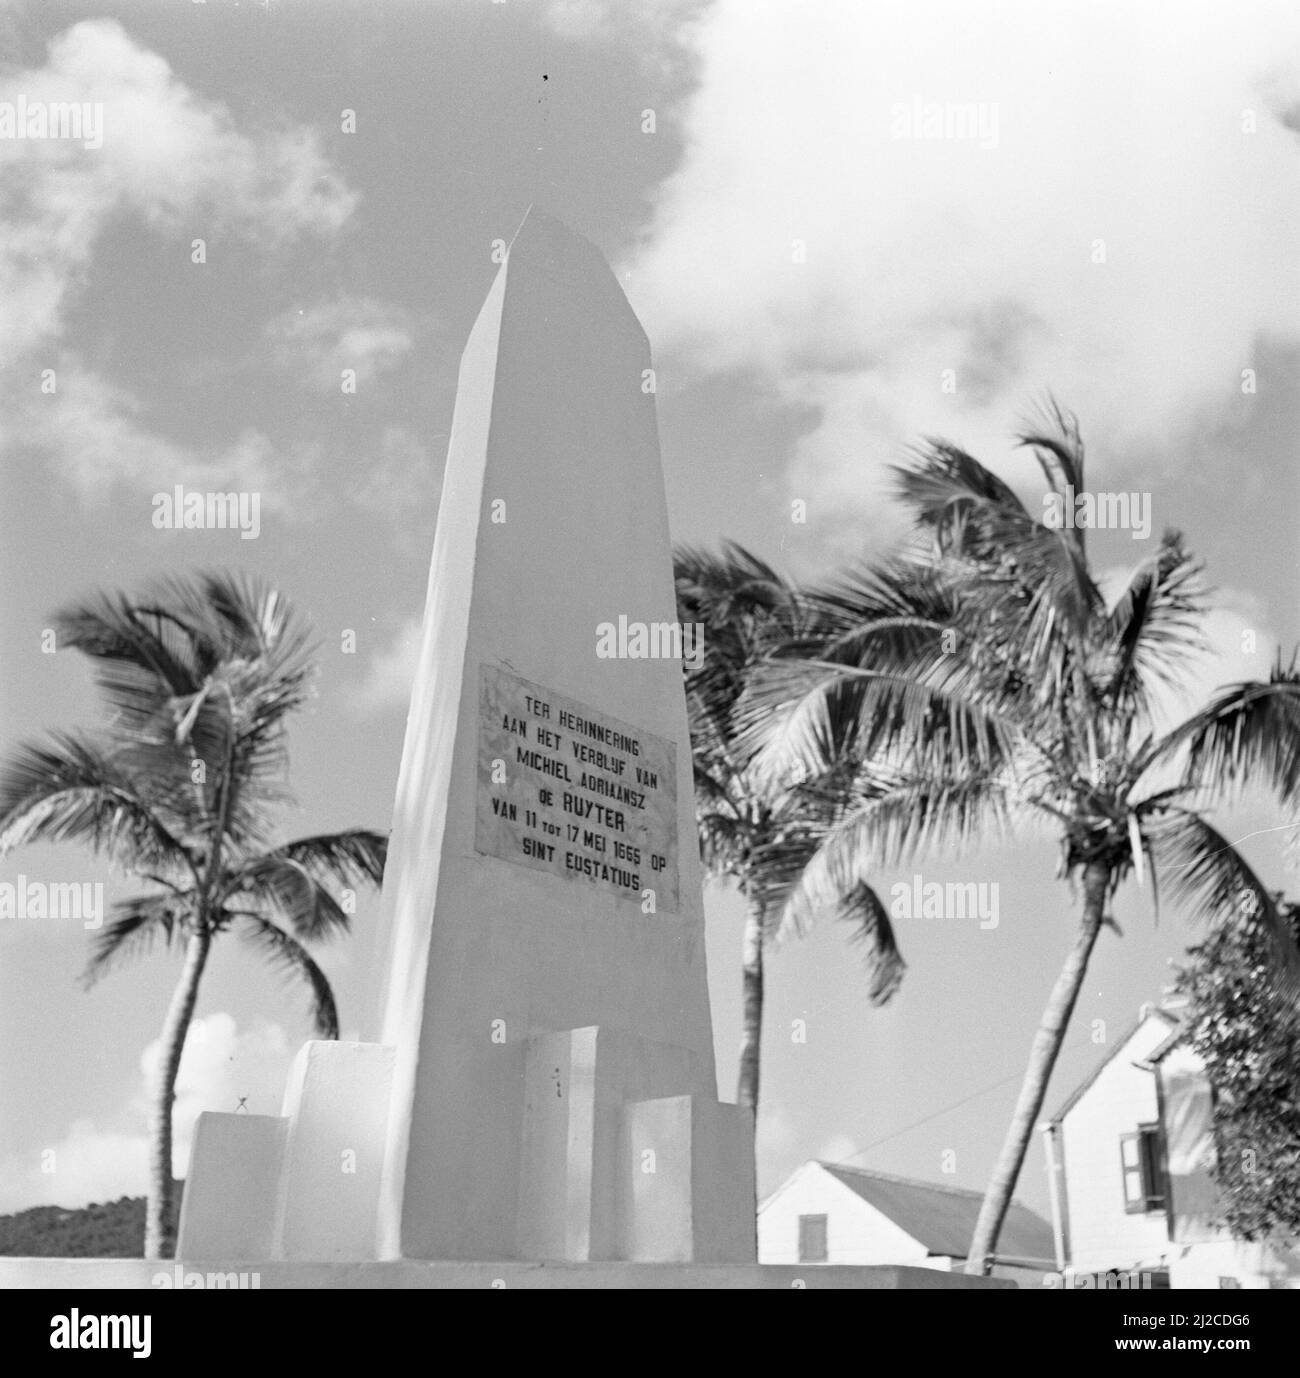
x: 822, y: 283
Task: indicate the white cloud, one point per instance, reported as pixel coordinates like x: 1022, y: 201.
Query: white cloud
x: 172, y: 160
x: 654, y: 22
x: 1241, y: 645
x: 400, y: 480
x: 1115, y: 123
x: 391, y: 672
x: 358, y: 333
x: 167, y: 156
x: 92, y: 428
x: 219, y: 1066
x: 837, y: 1149
x: 776, y: 1144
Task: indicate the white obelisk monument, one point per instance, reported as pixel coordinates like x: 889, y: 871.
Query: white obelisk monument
x: 541, y: 1082
x: 547, y: 992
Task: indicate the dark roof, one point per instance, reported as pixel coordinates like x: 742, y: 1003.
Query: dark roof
x: 1077, y: 1094
x: 942, y: 1218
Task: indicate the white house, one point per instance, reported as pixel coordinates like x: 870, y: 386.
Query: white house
x: 829, y: 1213
x: 1128, y: 1158
x: 1105, y: 1161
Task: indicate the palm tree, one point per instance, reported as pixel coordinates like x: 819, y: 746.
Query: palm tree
x: 1018, y: 695
x: 180, y: 789
x: 761, y: 839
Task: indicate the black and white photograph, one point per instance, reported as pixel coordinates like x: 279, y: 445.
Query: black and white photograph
x: 650, y: 645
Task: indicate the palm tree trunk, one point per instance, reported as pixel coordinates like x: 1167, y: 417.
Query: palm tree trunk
x: 158, y: 1238
x: 1042, y: 1058
x: 751, y: 1012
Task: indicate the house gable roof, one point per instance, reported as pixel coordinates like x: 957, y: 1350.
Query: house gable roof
x: 942, y: 1218
x: 1086, y: 1084
x: 1158, y: 1054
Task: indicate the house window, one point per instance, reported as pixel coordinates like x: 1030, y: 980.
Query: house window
x: 812, y: 1239
x: 1142, y: 1164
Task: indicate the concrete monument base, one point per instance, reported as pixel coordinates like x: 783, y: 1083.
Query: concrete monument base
x: 410, y: 1274
x: 614, y: 1165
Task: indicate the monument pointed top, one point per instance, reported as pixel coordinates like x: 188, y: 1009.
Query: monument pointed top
x: 538, y: 222
x: 545, y: 243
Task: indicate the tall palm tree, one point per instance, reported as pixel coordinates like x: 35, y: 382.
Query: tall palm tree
x: 758, y: 838
x: 181, y: 789
x: 1019, y: 695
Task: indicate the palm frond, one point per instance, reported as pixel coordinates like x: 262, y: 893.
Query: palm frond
x: 287, y: 890
x: 976, y: 516
x: 883, y: 661
x: 873, y: 932
x: 140, y: 921
x: 1151, y: 631
x: 1057, y: 445
x: 72, y: 789
x: 911, y: 817
x: 799, y: 718
x: 286, y: 952
x: 1203, y: 869
x: 1248, y: 734
x: 725, y: 845
x: 950, y: 492
x: 207, y: 668
x: 775, y: 855
x: 113, y: 627
x: 352, y: 857
x: 745, y: 609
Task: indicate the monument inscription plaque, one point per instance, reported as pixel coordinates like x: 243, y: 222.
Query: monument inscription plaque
x: 567, y: 789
